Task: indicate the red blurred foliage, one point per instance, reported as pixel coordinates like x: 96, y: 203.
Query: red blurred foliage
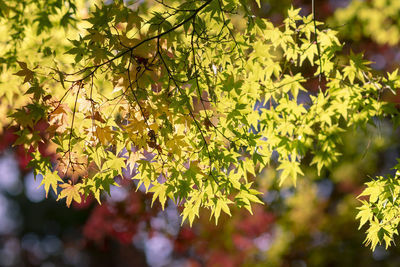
x: 186, y: 235
x: 85, y: 203
x: 230, y: 243
x: 260, y: 222
x: 118, y: 220
x: 7, y: 138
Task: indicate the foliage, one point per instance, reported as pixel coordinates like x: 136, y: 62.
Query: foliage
x: 193, y: 99
x: 376, y: 19
x: 34, y: 30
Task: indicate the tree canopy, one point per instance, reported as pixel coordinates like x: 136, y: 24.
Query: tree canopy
x: 191, y: 99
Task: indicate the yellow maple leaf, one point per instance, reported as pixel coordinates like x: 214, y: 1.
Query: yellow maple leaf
x: 50, y: 179
x: 104, y: 134
x: 71, y: 192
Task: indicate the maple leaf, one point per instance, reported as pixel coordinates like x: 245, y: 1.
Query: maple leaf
x: 36, y: 90
x: 71, y: 192
x: 22, y: 117
x: 96, y: 116
x: 104, y: 134
x: 116, y: 163
x: 72, y: 165
x: 25, y: 72
x: 50, y: 179
x: 58, y: 119
x: 133, y: 157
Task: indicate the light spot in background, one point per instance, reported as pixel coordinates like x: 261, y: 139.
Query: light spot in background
x: 158, y: 248
x: 378, y: 61
x: 51, y: 244
x: 9, y: 252
x: 118, y: 194
x: 44, y: 248
x: 286, y: 193
x: 141, y: 236
x: 380, y: 253
x: 299, y: 263
x: 162, y: 247
x: 397, y: 57
x: 32, y: 192
x: 9, y: 175
x: 181, y: 263
x: 270, y: 196
x: 157, y: 222
x: 9, y: 215
x: 174, y: 220
x: 31, y: 243
x: 263, y: 242
x: 325, y: 188
x: 339, y: 3
x: 320, y: 239
x: 74, y: 257
x: 167, y: 220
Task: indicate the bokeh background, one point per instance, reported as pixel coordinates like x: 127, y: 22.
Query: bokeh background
x: 310, y: 225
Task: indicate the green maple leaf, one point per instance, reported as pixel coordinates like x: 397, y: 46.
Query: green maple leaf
x: 25, y: 72
x: 36, y: 90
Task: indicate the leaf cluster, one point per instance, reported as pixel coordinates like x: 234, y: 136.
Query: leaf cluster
x: 193, y: 99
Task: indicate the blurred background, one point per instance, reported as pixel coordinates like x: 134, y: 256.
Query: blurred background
x: 310, y: 225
